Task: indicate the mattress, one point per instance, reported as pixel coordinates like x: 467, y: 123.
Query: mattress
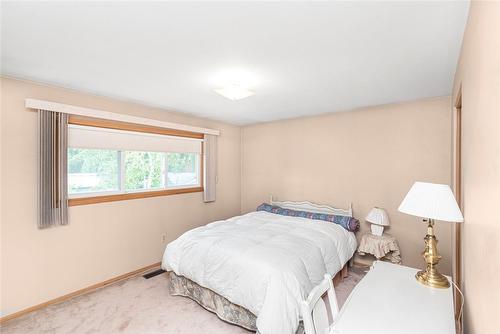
x: 263, y: 262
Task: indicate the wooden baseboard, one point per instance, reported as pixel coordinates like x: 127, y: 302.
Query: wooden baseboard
x: 78, y: 292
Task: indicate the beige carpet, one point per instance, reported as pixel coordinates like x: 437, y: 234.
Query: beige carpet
x: 138, y: 306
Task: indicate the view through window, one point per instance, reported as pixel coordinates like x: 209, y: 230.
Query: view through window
x: 113, y: 171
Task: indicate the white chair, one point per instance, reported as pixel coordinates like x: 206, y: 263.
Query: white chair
x: 318, y: 317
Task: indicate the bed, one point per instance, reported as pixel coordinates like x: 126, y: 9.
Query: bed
x: 253, y: 270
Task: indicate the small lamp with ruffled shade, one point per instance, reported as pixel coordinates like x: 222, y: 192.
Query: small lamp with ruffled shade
x: 378, y: 218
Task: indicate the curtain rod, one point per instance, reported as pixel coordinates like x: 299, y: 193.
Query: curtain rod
x: 95, y: 113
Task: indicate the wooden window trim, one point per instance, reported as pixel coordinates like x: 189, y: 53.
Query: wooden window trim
x: 128, y: 196
x: 107, y: 124
x: 101, y: 123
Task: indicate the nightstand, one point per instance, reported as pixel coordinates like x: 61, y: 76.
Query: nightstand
x: 391, y: 301
x: 382, y: 247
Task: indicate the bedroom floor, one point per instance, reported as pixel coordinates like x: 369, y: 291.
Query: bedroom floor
x: 137, y: 306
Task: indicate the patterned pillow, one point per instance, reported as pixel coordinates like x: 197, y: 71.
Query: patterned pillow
x: 349, y: 223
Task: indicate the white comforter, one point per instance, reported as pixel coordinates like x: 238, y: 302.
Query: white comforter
x: 264, y: 262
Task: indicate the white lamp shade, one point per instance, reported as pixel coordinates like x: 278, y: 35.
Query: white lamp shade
x: 431, y: 200
x: 378, y: 216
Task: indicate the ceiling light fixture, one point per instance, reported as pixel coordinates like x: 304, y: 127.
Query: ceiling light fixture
x: 234, y: 92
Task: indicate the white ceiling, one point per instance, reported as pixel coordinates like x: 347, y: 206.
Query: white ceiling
x: 300, y: 58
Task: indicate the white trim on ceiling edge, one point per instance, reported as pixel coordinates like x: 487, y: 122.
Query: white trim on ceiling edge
x: 95, y: 113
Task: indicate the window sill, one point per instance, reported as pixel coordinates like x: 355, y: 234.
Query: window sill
x: 124, y: 197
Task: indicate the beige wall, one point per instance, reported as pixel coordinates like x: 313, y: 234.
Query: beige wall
x: 368, y: 157
x: 479, y: 76
x: 102, y: 240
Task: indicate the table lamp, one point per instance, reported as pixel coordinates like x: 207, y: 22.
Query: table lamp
x: 378, y: 218
x: 431, y: 201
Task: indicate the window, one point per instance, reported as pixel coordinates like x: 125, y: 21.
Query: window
x: 182, y: 169
x: 144, y: 170
x: 93, y: 170
x: 110, y: 164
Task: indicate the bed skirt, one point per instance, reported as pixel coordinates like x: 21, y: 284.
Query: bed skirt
x: 223, y: 308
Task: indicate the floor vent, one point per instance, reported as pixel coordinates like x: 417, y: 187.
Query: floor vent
x: 153, y: 273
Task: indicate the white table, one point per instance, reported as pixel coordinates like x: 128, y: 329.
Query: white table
x: 389, y: 300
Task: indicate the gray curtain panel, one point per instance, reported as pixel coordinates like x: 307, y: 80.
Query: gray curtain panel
x: 210, y: 167
x: 52, y: 168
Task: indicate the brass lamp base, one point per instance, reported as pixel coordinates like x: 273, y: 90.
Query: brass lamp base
x: 430, y: 276
x: 434, y: 280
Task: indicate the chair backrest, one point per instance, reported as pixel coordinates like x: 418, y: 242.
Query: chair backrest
x: 316, y: 314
